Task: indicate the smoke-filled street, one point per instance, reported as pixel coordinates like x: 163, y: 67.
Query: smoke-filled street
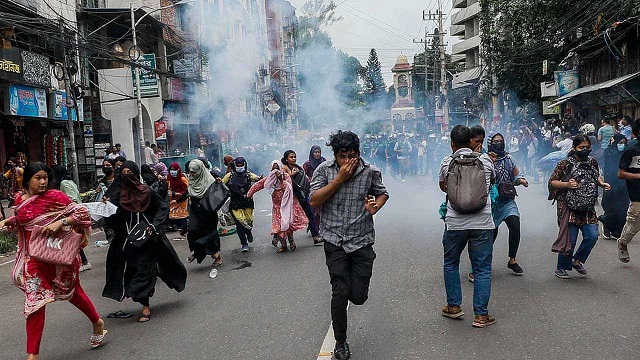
x: 265, y: 305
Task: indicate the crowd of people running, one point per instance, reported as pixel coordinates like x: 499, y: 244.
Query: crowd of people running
x: 334, y: 200
x: 150, y: 200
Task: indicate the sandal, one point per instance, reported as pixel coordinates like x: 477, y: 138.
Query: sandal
x: 191, y: 259
x: 623, y: 255
x: 144, y: 318
x: 217, y: 260
x: 97, y: 339
x: 119, y: 315
x: 292, y: 245
x: 282, y: 249
x: 275, y: 241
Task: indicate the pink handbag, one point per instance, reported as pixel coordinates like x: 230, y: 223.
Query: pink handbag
x: 60, y: 248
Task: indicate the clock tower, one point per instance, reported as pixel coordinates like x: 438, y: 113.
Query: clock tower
x: 403, y: 112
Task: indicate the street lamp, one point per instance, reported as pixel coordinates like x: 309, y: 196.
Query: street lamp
x: 134, y: 54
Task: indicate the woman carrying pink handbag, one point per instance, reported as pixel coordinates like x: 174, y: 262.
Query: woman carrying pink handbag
x: 45, y: 282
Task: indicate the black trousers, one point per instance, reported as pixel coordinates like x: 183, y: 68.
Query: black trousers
x: 513, y: 224
x: 350, y: 276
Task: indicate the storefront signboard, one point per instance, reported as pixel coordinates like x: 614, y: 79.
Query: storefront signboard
x: 11, y: 65
x: 27, y: 101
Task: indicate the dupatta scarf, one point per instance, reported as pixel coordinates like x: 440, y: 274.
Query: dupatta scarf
x: 273, y: 183
x: 41, y: 282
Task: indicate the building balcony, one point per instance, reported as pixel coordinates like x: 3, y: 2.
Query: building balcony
x: 466, y: 78
x: 457, y: 4
x: 466, y: 45
x: 465, y: 14
x: 458, y: 58
x: 457, y: 30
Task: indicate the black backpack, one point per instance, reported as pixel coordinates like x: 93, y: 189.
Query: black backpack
x: 583, y: 198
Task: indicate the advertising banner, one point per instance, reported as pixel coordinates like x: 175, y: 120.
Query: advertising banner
x: 161, y: 130
x: 566, y: 81
x: 11, y: 65
x: 27, y: 101
x: 59, y: 100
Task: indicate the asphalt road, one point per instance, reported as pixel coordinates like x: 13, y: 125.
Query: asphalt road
x: 278, y: 307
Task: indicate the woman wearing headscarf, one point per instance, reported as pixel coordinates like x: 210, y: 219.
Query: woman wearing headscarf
x: 288, y: 216
x: 239, y: 181
x: 503, y: 204
x: 616, y: 201
x: 44, y: 282
x: 133, y: 267
x: 178, y: 211
x: 202, y: 233
x: 301, y: 188
x: 148, y: 176
x: 160, y: 169
x: 315, y: 159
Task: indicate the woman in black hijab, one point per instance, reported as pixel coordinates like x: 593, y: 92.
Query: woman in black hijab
x: 616, y: 201
x: 133, y: 267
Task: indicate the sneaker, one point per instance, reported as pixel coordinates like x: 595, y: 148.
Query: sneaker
x: 582, y: 271
x: 452, y: 312
x: 244, y: 248
x: 317, y: 241
x: 341, y: 351
x: 562, y: 274
x: 517, y: 270
x: 481, y: 321
x: 85, y: 267
x: 404, y: 180
x: 250, y: 238
x: 471, y: 278
x: 102, y: 243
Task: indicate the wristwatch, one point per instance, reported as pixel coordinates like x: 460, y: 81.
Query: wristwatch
x: 64, y: 222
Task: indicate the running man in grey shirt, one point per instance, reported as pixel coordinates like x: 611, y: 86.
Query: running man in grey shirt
x: 348, y: 192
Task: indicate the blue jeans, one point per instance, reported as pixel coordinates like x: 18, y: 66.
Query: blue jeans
x: 589, y: 239
x: 480, y: 253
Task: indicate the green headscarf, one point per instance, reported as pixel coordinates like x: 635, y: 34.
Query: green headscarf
x: 199, y: 179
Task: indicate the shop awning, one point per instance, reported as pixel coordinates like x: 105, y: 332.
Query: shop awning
x: 591, y: 88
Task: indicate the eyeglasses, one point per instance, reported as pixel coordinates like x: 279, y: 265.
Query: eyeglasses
x: 349, y: 156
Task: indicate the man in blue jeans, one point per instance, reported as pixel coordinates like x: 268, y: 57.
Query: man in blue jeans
x: 475, y: 229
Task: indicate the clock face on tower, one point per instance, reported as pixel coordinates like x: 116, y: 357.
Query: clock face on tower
x: 403, y: 86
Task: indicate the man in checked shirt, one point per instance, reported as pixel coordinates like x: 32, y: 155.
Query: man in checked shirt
x: 348, y: 192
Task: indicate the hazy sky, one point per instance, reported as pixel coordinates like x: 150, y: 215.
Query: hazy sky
x: 388, y: 26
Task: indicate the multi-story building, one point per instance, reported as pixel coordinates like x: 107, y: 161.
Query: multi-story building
x: 465, y: 24
x: 35, y: 37
x: 281, y: 25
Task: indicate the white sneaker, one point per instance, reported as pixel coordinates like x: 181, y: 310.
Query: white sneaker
x: 85, y: 267
x: 102, y: 243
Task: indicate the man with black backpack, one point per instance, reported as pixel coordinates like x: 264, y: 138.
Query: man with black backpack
x: 466, y: 178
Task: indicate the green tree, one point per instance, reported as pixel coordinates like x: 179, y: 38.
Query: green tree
x: 518, y: 35
x: 374, y: 85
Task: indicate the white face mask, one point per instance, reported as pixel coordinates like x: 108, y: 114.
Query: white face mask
x: 240, y: 169
x: 173, y: 173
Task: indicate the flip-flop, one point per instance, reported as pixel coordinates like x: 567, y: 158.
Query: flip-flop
x: 144, y: 318
x: 623, y: 255
x: 119, y: 315
x: 97, y: 339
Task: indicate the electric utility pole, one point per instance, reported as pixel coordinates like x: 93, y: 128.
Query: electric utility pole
x: 443, y: 66
x: 70, y: 97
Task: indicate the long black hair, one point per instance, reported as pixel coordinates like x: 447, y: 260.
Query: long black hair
x: 33, y: 168
x: 285, y: 157
x: 577, y: 140
x: 60, y: 173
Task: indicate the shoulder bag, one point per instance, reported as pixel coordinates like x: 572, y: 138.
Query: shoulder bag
x: 137, y: 235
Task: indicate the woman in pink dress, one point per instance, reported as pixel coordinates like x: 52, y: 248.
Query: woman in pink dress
x: 288, y: 215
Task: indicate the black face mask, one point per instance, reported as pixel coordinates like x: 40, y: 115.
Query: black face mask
x: 498, y: 146
x: 107, y: 171
x: 583, y: 154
